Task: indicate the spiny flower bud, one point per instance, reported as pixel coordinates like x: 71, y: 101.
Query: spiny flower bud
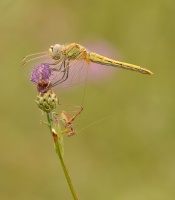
x: 47, y: 101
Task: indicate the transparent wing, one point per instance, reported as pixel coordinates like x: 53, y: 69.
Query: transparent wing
x: 36, y: 59
x: 68, y: 73
x: 32, y: 61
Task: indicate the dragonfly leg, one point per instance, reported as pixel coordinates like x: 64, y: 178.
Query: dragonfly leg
x: 65, y: 75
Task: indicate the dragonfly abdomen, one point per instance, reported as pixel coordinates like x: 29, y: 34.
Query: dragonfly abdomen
x: 96, y: 58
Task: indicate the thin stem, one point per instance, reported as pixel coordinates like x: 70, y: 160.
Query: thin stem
x: 58, y: 151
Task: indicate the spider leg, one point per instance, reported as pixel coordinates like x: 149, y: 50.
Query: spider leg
x: 75, y: 116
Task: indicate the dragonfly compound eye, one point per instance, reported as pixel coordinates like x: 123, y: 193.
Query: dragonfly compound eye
x: 55, y: 51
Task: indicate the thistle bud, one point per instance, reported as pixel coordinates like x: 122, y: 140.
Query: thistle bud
x: 47, y: 101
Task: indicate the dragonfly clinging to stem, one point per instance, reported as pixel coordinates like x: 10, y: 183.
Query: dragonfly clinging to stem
x: 68, y: 62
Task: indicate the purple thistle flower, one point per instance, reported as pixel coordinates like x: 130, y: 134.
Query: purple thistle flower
x: 41, y: 76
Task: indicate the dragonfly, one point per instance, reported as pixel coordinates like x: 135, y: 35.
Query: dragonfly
x: 69, y: 63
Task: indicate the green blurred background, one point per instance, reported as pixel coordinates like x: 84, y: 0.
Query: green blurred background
x: 130, y: 155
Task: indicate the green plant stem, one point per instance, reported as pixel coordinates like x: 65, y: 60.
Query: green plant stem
x: 58, y: 151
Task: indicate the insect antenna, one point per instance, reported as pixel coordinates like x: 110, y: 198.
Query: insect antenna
x: 32, y: 59
x: 34, y: 54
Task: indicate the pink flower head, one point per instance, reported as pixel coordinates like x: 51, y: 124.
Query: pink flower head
x: 41, y: 76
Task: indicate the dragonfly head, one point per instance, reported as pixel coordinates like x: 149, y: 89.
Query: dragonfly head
x: 55, y: 51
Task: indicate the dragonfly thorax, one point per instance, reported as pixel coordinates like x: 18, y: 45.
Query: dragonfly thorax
x: 55, y: 51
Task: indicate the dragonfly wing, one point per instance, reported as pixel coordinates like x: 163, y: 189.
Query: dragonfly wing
x: 69, y: 73
x: 30, y: 64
